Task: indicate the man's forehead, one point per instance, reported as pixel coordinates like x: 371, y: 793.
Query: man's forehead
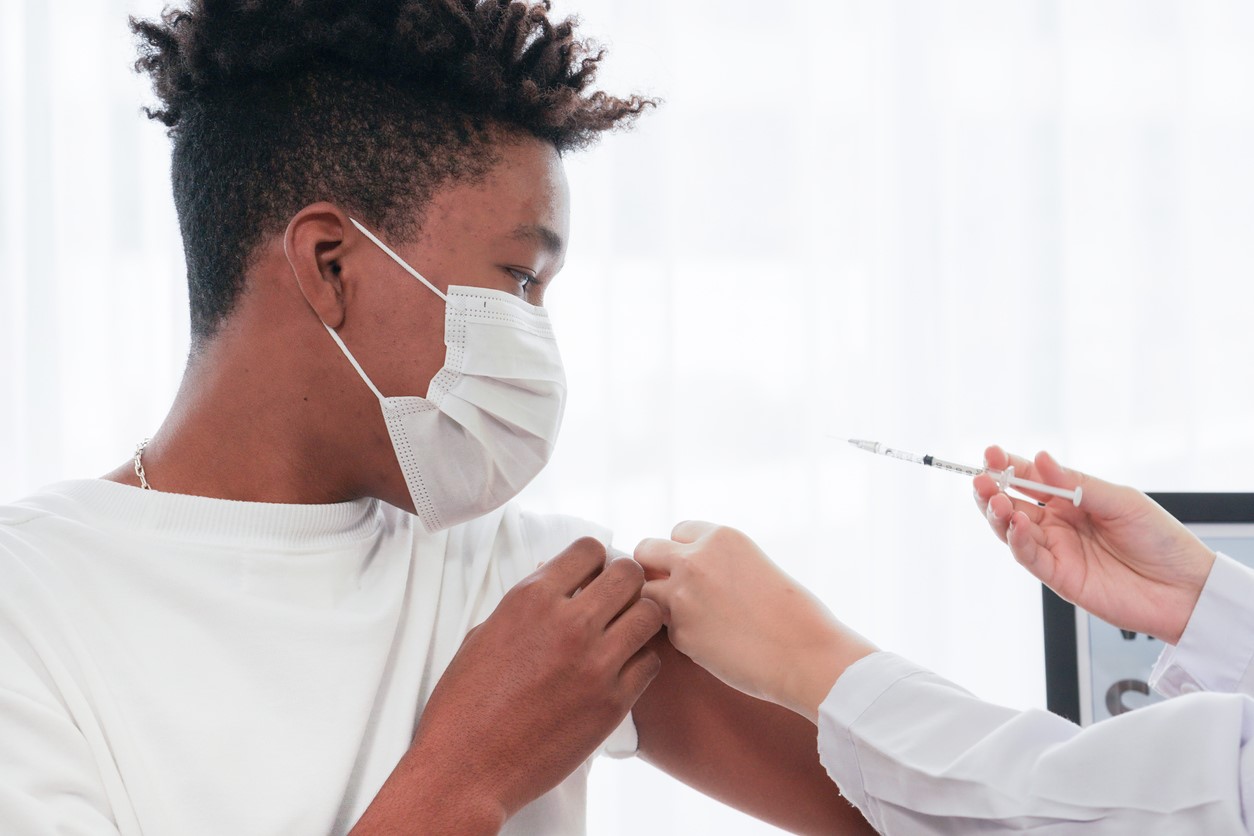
x: 540, y: 234
x: 523, y: 198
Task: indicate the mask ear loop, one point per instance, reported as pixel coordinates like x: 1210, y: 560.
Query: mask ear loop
x: 335, y: 336
x: 362, y: 229
x: 353, y: 360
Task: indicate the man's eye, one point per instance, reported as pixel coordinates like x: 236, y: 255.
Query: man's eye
x: 525, y: 280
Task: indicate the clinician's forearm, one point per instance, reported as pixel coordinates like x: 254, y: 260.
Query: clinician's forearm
x: 924, y: 757
x: 806, y: 675
x: 1216, y: 651
x: 757, y: 757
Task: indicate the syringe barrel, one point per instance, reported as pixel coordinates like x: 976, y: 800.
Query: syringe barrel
x: 904, y: 455
x: 952, y: 467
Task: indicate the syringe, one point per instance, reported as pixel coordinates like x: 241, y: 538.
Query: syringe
x: 1005, y: 478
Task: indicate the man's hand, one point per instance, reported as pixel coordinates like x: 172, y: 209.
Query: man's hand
x: 739, y: 616
x: 530, y: 695
x: 1119, y: 555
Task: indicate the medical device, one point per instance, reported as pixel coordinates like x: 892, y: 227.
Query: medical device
x: 1094, y: 670
x: 1005, y: 478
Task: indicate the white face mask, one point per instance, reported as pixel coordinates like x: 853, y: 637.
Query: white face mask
x: 491, y: 415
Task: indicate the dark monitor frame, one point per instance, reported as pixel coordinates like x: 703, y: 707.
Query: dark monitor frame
x: 1062, y: 672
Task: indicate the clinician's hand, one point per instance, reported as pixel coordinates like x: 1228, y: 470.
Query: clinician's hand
x: 531, y: 694
x: 1119, y: 555
x: 739, y: 616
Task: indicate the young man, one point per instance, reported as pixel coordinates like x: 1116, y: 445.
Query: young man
x: 265, y: 622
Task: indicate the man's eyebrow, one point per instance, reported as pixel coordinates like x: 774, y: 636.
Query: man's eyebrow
x: 550, y: 240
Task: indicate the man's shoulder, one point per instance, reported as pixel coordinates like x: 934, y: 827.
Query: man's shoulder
x: 25, y: 521
x: 26, y: 510
x: 534, y: 536
x: 29, y: 535
x: 548, y: 534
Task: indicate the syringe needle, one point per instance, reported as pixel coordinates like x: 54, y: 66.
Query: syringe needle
x: 1005, y: 478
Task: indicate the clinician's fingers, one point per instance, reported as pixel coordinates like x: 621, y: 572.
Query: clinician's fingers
x: 690, y: 531
x: 1027, y: 544
x: 997, y: 512
x: 657, y: 556
x: 1052, y: 473
x: 1101, y: 499
x: 984, y: 488
x: 997, y: 507
x: 1001, y: 508
x: 995, y: 458
x: 659, y: 592
x: 1044, y: 468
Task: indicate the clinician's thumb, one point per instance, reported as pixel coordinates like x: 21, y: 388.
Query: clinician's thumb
x: 657, y: 556
x: 690, y: 531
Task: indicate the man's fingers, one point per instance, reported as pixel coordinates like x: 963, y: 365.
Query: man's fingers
x: 637, y: 624
x: 576, y: 566
x: 690, y: 531
x: 657, y: 556
x: 640, y: 670
x: 614, y: 589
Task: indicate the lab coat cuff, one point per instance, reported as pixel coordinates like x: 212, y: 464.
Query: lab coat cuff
x: 1217, y: 647
x: 857, y: 689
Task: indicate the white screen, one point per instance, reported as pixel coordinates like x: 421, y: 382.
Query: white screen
x: 1114, y: 664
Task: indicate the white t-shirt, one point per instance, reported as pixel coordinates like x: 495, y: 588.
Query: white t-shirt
x: 919, y: 755
x: 180, y: 665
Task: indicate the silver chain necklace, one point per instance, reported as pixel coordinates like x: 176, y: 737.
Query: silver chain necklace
x: 139, y: 464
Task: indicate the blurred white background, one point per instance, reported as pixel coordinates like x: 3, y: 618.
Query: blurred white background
x: 934, y: 224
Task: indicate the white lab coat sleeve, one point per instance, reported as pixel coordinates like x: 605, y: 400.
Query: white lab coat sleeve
x: 1216, y: 650
x: 919, y: 755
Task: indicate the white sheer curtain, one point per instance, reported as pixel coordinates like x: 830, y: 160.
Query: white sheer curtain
x: 933, y: 224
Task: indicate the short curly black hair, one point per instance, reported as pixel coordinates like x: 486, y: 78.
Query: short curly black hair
x: 371, y: 104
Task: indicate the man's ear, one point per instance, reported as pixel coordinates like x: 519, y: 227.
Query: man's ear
x: 315, y: 242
